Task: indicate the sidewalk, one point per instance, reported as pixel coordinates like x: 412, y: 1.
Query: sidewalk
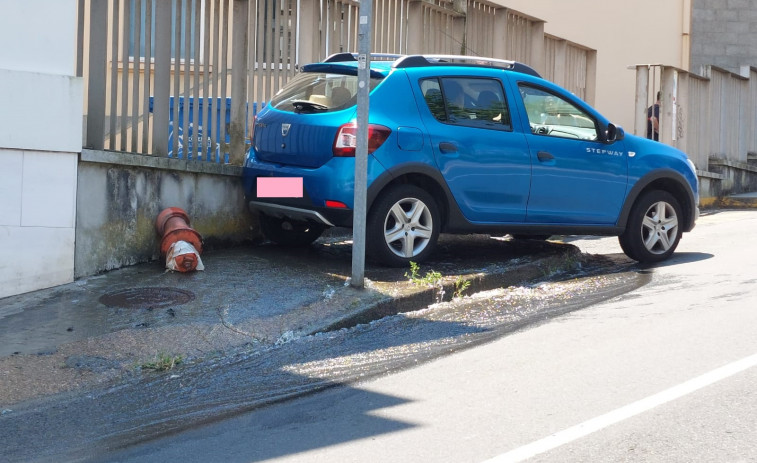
x: 99, y: 329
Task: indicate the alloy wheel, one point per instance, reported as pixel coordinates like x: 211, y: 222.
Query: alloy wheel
x: 659, y: 228
x: 408, y: 227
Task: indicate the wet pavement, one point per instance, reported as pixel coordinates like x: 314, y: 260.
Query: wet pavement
x: 99, y: 330
x: 261, y: 324
x: 106, y: 423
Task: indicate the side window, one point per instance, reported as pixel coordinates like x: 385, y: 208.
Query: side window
x: 432, y: 93
x: 470, y: 102
x: 551, y: 115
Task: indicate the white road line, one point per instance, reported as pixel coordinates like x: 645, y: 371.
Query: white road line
x: 595, y: 424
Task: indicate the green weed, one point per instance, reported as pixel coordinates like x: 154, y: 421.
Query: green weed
x: 432, y: 279
x: 461, y: 284
x: 163, y: 362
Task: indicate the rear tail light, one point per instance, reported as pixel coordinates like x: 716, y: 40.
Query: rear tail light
x: 335, y: 204
x: 345, y: 142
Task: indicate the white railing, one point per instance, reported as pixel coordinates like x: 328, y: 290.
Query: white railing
x: 183, y: 78
x: 571, y: 65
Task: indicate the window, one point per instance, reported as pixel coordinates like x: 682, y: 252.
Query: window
x: 470, y: 102
x: 551, y: 115
x: 181, y: 11
x: 312, y: 92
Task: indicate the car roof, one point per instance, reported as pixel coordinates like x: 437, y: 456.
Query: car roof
x: 382, y: 64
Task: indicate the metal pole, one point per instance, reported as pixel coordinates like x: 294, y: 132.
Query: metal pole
x: 98, y: 58
x: 237, y: 124
x: 361, y: 153
x: 161, y: 103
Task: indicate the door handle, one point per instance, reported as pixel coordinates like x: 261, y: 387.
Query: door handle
x: 544, y: 156
x: 447, y: 147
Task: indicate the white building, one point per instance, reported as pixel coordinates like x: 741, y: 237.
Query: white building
x: 624, y: 34
x: 41, y: 120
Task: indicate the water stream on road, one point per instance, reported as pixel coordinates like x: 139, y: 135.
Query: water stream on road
x: 154, y: 405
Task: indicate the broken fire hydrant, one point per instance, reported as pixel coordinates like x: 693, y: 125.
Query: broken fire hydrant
x: 180, y: 244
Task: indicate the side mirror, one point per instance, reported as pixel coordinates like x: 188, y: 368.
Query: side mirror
x: 614, y: 133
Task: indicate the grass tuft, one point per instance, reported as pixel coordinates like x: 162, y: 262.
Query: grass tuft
x: 163, y: 362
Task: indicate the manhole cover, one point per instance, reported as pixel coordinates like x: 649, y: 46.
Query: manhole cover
x: 149, y: 298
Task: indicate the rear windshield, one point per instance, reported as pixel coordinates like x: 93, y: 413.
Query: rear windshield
x: 313, y: 92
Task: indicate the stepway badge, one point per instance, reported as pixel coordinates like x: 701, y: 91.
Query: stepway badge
x: 604, y: 151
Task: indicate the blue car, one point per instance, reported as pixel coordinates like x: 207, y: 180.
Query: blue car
x: 460, y: 144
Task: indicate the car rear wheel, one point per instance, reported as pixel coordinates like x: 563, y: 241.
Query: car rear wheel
x: 403, y: 226
x: 652, y: 233
x: 289, y: 232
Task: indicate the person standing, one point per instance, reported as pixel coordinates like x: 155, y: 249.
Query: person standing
x: 653, y: 119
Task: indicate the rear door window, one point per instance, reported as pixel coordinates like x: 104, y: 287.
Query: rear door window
x: 316, y: 92
x: 466, y: 101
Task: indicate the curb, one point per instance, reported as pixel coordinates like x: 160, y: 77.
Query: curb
x: 482, y: 281
x: 738, y: 202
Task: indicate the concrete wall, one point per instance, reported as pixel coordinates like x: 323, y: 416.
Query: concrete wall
x: 736, y: 177
x: 120, y: 196
x: 623, y: 33
x: 724, y: 34
x: 40, y: 137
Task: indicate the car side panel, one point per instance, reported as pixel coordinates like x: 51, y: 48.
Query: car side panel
x: 573, y: 181
x: 393, y: 105
x: 488, y: 171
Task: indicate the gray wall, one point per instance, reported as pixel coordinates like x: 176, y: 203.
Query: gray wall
x: 119, y: 196
x: 723, y: 34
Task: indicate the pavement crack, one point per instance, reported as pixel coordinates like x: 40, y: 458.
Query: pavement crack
x: 223, y: 313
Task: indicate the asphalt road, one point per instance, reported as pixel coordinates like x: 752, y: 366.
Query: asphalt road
x: 665, y: 372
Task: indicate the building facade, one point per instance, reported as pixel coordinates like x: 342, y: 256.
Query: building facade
x: 648, y: 32
x: 41, y: 136
x: 724, y: 34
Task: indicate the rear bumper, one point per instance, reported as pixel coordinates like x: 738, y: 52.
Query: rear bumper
x: 294, y: 213
x: 332, y: 181
x: 323, y: 216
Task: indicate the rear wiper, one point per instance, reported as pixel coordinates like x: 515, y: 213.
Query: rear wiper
x: 307, y: 105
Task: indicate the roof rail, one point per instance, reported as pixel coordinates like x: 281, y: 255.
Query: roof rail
x: 410, y: 61
x: 345, y: 56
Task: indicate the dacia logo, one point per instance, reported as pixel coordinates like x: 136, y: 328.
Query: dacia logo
x: 604, y: 151
x: 285, y: 129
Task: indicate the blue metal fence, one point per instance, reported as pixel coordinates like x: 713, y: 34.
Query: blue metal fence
x: 181, y: 132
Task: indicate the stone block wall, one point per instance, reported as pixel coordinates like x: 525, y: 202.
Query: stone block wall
x: 723, y: 34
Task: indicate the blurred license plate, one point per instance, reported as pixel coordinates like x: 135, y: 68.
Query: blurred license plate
x: 279, y: 187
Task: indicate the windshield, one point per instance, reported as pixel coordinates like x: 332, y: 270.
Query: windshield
x: 319, y: 92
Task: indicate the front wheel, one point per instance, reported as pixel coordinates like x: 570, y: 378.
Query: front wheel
x: 403, y: 226
x: 289, y: 232
x: 652, y: 233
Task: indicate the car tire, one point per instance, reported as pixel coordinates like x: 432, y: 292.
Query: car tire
x: 289, y: 232
x: 653, y: 229
x: 403, y: 226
